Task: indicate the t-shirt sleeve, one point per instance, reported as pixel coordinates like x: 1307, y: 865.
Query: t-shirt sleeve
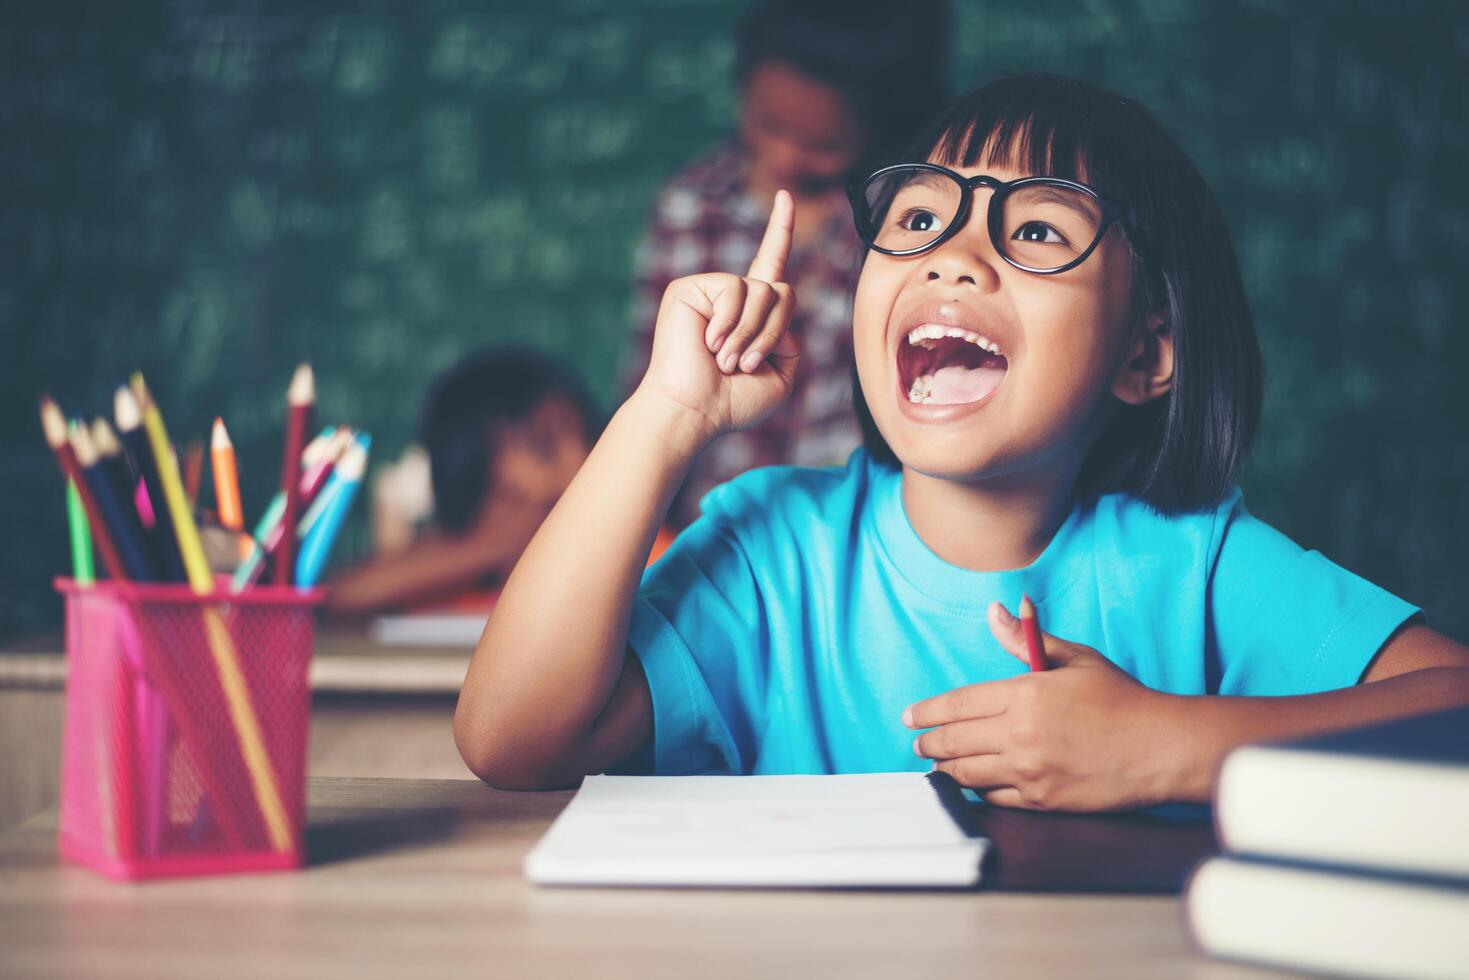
x: 1288, y: 621
x: 697, y: 629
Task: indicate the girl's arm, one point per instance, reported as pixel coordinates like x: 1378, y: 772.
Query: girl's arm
x: 552, y: 692
x: 1417, y: 671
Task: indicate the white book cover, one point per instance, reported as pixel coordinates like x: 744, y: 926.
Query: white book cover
x: 1392, y: 797
x: 446, y: 629
x: 1357, y: 925
x: 870, y: 830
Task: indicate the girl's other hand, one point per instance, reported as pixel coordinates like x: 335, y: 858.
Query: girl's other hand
x: 1082, y: 735
x: 721, y: 352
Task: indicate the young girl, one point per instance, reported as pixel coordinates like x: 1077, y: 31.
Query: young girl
x: 1060, y: 379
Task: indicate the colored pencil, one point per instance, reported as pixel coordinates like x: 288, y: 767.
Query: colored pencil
x: 109, y: 454
x: 54, y: 427
x: 115, y: 788
x: 193, y: 471
x: 317, y: 543
x: 128, y: 414
x: 226, y: 660
x: 125, y: 487
x: 191, y: 549
x: 300, y: 398
x: 326, y: 464
x: 149, y: 723
x: 82, y: 570
x: 317, y: 461
x: 310, y: 456
x: 227, y: 483
x: 1034, y: 646
x: 117, y: 511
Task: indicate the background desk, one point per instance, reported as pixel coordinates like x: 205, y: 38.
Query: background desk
x: 422, y: 877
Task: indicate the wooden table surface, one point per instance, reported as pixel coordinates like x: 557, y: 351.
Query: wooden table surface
x: 423, y: 878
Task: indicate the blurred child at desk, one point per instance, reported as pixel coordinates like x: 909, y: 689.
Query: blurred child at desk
x: 504, y: 430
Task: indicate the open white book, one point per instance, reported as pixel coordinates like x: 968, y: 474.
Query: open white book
x: 873, y: 830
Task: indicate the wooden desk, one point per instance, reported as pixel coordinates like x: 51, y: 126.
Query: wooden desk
x: 422, y: 878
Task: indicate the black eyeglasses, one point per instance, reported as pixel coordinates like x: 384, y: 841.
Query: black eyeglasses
x: 1044, y: 225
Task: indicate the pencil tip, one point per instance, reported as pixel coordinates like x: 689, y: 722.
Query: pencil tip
x: 1027, y: 608
x: 125, y: 409
x: 82, y: 445
x: 219, y: 437
x: 104, y: 437
x: 303, y: 386
x: 52, y: 422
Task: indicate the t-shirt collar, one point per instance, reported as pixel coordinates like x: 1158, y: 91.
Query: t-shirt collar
x: 1053, y: 571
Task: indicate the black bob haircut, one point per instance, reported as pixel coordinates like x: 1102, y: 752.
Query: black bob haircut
x: 471, y: 404
x: 1182, y: 451
x: 883, y: 58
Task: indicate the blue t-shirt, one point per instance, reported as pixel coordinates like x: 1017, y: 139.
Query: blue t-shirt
x: 787, y: 628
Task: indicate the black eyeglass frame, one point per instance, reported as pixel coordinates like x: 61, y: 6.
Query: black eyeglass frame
x: 1111, y: 209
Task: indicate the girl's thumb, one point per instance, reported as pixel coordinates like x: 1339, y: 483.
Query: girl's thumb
x: 1011, y: 634
x: 1008, y: 632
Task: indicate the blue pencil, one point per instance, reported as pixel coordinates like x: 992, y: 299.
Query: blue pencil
x: 339, y: 494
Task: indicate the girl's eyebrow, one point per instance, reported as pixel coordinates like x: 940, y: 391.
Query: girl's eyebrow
x: 926, y: 177
x: 1082, y: 206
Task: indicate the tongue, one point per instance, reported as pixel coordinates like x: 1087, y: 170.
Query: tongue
x: 955, y: 384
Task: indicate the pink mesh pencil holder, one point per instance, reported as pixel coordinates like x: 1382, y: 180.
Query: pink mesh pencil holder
x: 186, y: 723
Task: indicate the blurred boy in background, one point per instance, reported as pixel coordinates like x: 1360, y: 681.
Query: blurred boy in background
x: 504, y: 432
x: 825, y: 87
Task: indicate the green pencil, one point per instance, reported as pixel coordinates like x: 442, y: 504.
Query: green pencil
x: 81, y: 537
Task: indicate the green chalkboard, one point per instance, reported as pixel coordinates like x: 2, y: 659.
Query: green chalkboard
x: 213, y: 191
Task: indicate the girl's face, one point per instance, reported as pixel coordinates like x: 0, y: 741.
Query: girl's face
x: 1063, y: 341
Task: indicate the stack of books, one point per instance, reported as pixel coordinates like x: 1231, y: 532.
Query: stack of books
x: 1347, y: 853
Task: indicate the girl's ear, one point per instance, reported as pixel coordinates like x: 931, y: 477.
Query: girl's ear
x: 1147, y: 370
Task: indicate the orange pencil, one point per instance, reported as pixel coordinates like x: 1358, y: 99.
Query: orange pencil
x: 54, y: 426
x: 1032, y: 626
x: 227, y: 482
x: 300, y: 398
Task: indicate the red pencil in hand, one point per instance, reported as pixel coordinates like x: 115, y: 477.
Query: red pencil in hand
x: 1032, y: 627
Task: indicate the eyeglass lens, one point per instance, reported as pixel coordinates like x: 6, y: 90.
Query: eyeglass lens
x: 1042, y: 225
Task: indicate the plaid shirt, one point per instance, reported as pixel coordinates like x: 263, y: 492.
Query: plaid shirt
x: 704, y: 221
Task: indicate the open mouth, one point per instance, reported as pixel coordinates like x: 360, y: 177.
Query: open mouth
x: 943, y: 365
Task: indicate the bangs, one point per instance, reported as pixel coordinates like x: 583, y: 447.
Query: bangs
x: 1023, y: 144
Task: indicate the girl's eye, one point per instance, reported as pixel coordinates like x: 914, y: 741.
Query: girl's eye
x: 919, y: 219
x: 1039, y: 231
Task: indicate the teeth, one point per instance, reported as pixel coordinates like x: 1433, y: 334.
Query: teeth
x: 924, y: 336
x: 918, y: 392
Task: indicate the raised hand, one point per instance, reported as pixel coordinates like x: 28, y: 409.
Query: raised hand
x: 721, y: 350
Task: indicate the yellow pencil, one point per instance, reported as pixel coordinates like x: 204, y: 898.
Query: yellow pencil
x: 226, y: 660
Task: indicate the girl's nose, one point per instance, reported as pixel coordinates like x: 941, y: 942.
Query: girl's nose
x: 967, y: 259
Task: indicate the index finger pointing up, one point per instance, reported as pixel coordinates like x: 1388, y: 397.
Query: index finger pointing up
x: 770, y: 259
